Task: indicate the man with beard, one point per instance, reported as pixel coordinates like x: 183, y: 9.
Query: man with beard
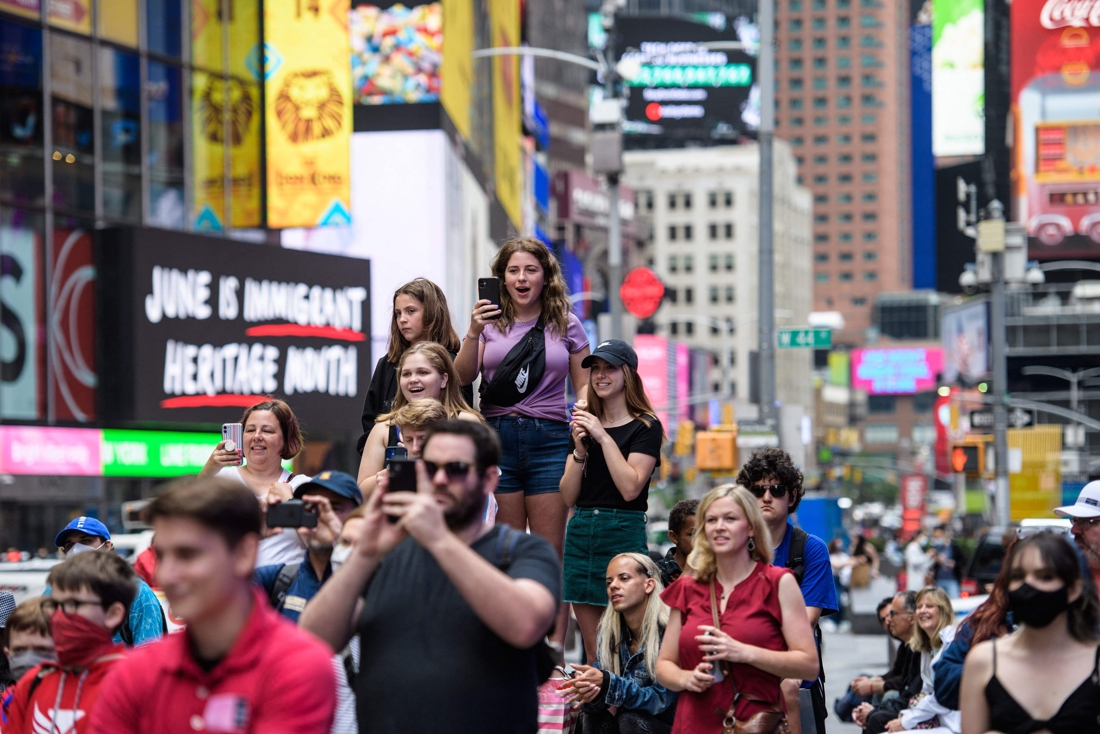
x: 1085, y: 514
x: 448, y: 628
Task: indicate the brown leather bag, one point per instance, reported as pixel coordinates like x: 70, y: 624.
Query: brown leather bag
x: 762, y: 722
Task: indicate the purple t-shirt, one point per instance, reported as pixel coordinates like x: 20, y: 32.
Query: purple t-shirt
x: 547, y: 400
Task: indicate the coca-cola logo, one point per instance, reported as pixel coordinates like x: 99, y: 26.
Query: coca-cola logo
x: 1075, y: 13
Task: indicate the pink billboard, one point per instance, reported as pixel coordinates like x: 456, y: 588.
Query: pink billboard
x: 901, y: 371
x: 653, y: 369
x: 29, y: 450
x: 683, y: 382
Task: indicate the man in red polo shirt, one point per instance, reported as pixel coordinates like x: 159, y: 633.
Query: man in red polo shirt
x: 239, y: 667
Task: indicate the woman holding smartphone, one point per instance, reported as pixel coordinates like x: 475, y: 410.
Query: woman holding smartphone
x: 419, y: 314
x: 271, y: 435
x: 529, y: 413
x: 616, y: 443
x: 424, y: 371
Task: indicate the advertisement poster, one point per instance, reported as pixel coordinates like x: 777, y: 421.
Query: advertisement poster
x: 72, y: 15
x: 73, y: 326
x: 966, y: 344
x: 653, y: 370
x: 20, y: 320
x: 685, y: 90
x: 121, y: 23
x: 507, y: 109
x: 899, y: 371
x: 921, y: 146
x: 24, y: 8
x: 457, y: 68
x: 1056, y: 108
x: 958, y: 77
x: 201, y: 327
x: 396, y: 53
x: 308, y: 103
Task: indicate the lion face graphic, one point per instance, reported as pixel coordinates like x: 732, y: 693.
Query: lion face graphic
x: 221, y: 98
x: 309, y: 106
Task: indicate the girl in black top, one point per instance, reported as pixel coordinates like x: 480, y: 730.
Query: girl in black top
x: 419, y: 314
x: 1043, y: 677
x: 616, y: 445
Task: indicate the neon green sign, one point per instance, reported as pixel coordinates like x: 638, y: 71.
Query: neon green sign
x: 727, y: 75
x: 125, y: 453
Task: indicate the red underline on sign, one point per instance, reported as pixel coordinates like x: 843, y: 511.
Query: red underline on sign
x: 213, y: 401
x: 321, y: 332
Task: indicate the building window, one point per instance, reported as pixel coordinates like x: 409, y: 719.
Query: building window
x: 881, y: 404
x: 868, y: 137
x: 712, y: 199
x: 869, y: 119
x: 712, y: 230
x: 674, y: 328
x: 795, y: 64
x: 924, y: 402
x: 821, y: 257
x: 821, y: 277
x: 821, y: 179
x: 689, y: 328
x: 795, y: 6
x: 821, y: 238
x: 868, y: 100
x: 869, y: 158
x: 843, y: 42
x: 794, y: 25
x: 844, y: 178
x: 869, y: 60
x: 845, y: 237
x: 843, y: 4
x: 843, y: 62
x: 673, y: 264
x: 870, y: 256
x: 844, y: 198
x: 729, y: 262
x: 687, y: 202
x: 796, y: 84
x: 843, y: 82
x: 689, y: 295
x: 870, y: 177
x: 673, y: 295
x: 820, y: 62
x: 729, y: 230
x: 729, y: 294
x: 818, y: 5
x: 796, y: 141
x: 845, y: 276
x: 870, y: 275
x: 821, y: 140
x: 712, y: 262
x: 819, y: 24
x: 795, y: 44
x: 870, y: 217
x: 672, y: 233
x: 821, y: 82
x: 796, y: 122
x: 672, y: 201
x: 844, y: 100
x: 868, y: 41
x: 844, y: 257
x: 687, y: 232
x: 649, y: 201
x: 821, y: 121
x: 713, y: 294
x: 880, y: 434
x: 820, y: 44
x: 821, y: 219
x: 859, y: 301
x: 820, y: 103
x: 844, y: 217
x: 821, y: 160
x: 821, y: 198
x: 729, y: 195
x: 796, y: 103
x: 843, y: 21
x: 844, y: 158
x: 689, y: 263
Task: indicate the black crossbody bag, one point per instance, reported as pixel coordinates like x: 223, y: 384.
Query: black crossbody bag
x: 520, y: 370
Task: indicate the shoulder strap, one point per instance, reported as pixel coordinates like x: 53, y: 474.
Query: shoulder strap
x: 283, y: 581
x: 126, y: 632
x: 796, y: 560
x: 993, y: 644
x: 506, y: 546
x: 42, y: 673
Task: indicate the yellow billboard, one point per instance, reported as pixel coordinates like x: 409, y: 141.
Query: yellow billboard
x: 457, y: 72
x: 1035, y: 478
x: 504, y: 25
x: 118, y: 21
x: 72, y: 15
x: 308, y: 106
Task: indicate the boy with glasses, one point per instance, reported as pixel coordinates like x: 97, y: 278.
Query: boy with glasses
x: 90, y: 596
x: 776, y: 483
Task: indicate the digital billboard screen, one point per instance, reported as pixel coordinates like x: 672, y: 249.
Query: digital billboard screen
x: 396, y: 53
x: 901, y: 371
x: 691, y: 85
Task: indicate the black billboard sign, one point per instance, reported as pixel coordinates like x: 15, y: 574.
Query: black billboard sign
x: 196, y: 328
x: 687, y: 90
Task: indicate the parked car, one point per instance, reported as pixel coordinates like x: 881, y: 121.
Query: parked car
x: 989, y: 553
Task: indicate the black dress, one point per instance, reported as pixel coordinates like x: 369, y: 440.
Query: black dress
x: 1078, y: 714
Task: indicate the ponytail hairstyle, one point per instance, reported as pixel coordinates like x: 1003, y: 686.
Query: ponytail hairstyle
x: 435, y: 318
x: 637, y: 402
x: 610, y: 633
x: 440, y: 360
x: 555, y: 293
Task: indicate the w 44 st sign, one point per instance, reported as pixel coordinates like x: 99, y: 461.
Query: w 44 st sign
x: 808, y: 338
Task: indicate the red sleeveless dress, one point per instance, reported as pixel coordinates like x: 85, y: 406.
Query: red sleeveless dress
x: 752, y: 616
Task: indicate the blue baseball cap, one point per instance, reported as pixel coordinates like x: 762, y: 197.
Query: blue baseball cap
x: 336, y: 482
x: 88, y: 525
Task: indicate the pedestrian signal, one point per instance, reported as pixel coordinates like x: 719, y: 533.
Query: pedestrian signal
x: 967, y: 459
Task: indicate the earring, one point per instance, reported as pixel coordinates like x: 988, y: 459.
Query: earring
x: 752, y: 545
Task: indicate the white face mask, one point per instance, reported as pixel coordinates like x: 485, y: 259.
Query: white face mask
x: 81, y: 548
x: 340, y: 554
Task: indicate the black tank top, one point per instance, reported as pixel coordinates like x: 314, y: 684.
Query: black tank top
x: 1078, y: 714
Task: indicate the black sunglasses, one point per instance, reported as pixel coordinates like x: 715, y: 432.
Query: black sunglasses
x: 455, y: 469
x: 779, y: 491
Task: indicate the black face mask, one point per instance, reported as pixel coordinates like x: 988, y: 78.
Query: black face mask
x: 1037, y: 608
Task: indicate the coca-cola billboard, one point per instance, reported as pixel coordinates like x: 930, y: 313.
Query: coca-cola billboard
x: 1056, y: 110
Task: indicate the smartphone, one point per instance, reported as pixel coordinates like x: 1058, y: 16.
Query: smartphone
x: 715, y: 665
x: 395, y: 452
x: 488, y: 289
x: 291, y: 514
x: 402, y: 478
x: 235, y: 432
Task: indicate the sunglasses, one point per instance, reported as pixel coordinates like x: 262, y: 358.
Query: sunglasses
x: 455, y: 469
x: 779, y: 491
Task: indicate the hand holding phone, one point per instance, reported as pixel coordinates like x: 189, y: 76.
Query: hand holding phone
x: 402, y: 478
x: 291, y: 514
x: 233, y: 436
x: 395, y: 452
x: 488, y: 289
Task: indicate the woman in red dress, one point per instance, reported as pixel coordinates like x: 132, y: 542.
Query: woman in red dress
x: 763, y: 634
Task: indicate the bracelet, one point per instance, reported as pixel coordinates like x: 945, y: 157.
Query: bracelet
x: 579, y: 460
x: 474, y: 338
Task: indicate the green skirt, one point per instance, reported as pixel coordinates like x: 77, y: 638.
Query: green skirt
x: 594, y: 536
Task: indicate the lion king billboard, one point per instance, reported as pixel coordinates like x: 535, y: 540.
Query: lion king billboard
x: 308, y: 98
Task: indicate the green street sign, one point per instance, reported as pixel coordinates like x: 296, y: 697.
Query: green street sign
x: 808, y: 338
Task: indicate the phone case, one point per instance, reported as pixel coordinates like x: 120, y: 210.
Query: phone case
x: 488, y: 289
x: 234, y: 432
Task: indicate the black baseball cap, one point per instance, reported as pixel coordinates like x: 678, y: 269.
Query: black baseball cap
x: 336, y: 482
x: 614, y: 351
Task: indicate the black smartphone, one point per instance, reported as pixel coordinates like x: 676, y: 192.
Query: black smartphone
x: 395, y: 452
x: 488, y: 289
x: 291, y: 514
x: 402, y: 474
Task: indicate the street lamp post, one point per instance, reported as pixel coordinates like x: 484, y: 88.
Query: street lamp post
x: 1074, y: 378
x: 766, y: 306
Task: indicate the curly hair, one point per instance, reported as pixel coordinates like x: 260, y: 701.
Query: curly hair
x: 771, y: 462
x: 681, y: 511
x: 555, y: 293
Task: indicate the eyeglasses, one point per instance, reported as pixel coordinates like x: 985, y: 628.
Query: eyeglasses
x: 455, y: 469
x: 69, y: 606
x: 1027, y: 532
x: 1086, y: 522
x: 779, y: 491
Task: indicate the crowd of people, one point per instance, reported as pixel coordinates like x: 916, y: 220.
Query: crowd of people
x: 431, y: 592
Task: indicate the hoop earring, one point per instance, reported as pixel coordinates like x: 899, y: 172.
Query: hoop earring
x: 752, y: 545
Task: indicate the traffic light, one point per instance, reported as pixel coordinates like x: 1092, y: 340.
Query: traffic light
x: 968, y: 459
x: 716, y: 450
x: 685, y: 436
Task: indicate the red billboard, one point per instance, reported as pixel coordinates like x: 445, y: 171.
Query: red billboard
x: 1056, y: 108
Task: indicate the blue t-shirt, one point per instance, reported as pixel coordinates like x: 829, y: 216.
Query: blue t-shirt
x: 817, y: 579
x: 302, y: 589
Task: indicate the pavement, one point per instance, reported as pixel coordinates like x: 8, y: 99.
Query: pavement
x: 846, y: 656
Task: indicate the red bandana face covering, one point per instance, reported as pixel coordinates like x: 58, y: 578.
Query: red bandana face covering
x: 78, y: 640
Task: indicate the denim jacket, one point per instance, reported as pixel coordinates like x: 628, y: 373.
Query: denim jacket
x: 634, y: 690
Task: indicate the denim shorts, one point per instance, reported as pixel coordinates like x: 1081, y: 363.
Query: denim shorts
x: 593, y: 537
x: 533, y: 453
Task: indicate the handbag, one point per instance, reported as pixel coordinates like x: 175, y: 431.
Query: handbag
x: 861, y: 576
x: 520, y: 370
x: 771, y: 721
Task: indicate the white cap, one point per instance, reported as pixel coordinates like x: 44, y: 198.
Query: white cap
x: 1087, y: 505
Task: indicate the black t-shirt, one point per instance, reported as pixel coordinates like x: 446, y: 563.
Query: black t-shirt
x: 597, y: 487
x: 429, y: 664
